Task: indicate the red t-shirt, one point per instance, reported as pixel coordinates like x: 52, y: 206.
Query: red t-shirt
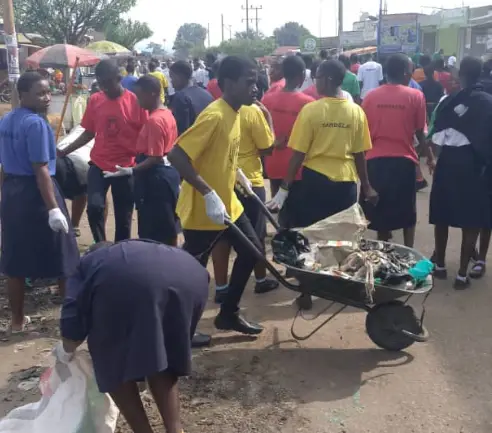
x: 276, y: 86
x: 116, y: 123
x: 284, y: 108
x: 313, y: 92
x: 214, y: 89
x: 159, y: 134
x: 394, y: 113
x: 355, y: 68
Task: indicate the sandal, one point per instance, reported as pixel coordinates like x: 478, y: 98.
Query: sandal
x: 477, y: 270
x: 27, y: 322
x: 461, y: 283
x: 439, y: 272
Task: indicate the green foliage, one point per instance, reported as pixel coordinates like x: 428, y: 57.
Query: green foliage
x: 291, y: 34
x: 256, y: 46
x: 128, y: 32
x: 68, y: 21
x: 190, y: 36
x: 156, y: 49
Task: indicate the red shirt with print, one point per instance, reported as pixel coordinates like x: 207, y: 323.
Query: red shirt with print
x: 159, y: 134
x: 116, y: 124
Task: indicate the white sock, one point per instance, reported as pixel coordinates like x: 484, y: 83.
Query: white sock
x: 260, y: 280
x: 220, y: 288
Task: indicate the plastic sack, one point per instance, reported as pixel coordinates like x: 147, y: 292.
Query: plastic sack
x: 70, y: 403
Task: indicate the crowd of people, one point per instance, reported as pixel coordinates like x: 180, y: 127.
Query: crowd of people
x: 189, y: 145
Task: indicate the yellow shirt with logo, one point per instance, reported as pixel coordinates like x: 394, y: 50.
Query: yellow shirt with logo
x: 212, y: 144
x: 256, y: 135
x: 329, y: 131
x: 163, y: 80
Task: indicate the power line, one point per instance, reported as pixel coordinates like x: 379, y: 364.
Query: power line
x: 256, y: 19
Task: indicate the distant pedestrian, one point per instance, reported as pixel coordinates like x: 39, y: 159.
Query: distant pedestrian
x: 370, y: 76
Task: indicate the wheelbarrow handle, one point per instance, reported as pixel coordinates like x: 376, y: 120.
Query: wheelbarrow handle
x: 259, y: 255
x: 263, y: 207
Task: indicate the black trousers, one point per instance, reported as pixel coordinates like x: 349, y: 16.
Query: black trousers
x: 123, y: 201
x: 199, y: 243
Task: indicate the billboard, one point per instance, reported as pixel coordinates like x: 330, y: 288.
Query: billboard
x: 399, y: 33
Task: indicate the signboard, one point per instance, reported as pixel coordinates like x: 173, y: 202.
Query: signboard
x: 352, y: 39
x: 454, y: 17
x: 399, y: 33
x: 368, y: 29
x: 309, y: 45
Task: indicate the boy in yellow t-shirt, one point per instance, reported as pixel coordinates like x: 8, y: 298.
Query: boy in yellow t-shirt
x: 329, y: 139
x: 206, y: 156
x: 256, y: 140
x: 161, y: 77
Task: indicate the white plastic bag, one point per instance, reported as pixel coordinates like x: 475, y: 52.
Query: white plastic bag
x: 70, y: 403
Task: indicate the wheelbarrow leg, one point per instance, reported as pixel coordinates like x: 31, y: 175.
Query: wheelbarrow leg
x: 304, y: 302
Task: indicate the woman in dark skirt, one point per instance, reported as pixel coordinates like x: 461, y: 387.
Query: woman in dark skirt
x: 37, y: 236
x: 396, y: 113
x: 138, y: 303
x: 460, y: 195
x: 329, y: 139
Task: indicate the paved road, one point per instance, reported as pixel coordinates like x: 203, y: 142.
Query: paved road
x: 338, y: 381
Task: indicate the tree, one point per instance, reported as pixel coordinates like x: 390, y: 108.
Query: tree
x: 189, y: 35
x: 291, y: 34
x: 156, y: 49
x: 68, y: 21
x: 128, y: 32
x: 258, y: 46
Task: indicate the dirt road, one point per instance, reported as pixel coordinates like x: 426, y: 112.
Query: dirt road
x: 336, y: 382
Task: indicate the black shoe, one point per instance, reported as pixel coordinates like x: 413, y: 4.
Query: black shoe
x: 238, y: 323
x: 201, y: 340
x: 266, y: 286
x: 421, y: 184
x: 460, y: 284
x: 439, y: 272
x: 220, y: 296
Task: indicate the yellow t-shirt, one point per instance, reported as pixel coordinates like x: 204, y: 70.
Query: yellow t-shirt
x: 329, y: 131
x: 256, y: 135
x: 212, y: 144
x: 163, y: 80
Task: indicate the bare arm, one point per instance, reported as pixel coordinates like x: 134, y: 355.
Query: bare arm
x: 45, y: 185
x: 361, y: 167
x: 83, y: 139
x: 295, y: 163
x: 181, y: 161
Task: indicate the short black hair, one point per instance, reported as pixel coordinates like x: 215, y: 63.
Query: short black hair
x: 397, y: 66
x: 233, y: 67
x: 27, y: 80
x: 425, y: 60
x: 471, y: 69
x: 429, y: 72
x: 314, y: 68
x: 334, y: 69
x: 308, y: 60
x: 152, y: 65
x: 323, y: 54
x: 215, y: 67
x: 354, y: 58
x: 130, y: 67
x: 210, y: 57
x: 107, y: 69
x: 293, y: 67
x: 149, y: 84
x: 182, y: 68
x: 345, y: 60
x: 439, y: 63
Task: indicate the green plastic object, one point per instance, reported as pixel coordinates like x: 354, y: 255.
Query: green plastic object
x: 421, y: 270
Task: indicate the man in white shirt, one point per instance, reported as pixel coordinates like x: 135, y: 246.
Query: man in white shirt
x: 370, y: 76
x: 200, y: 74
x: 167, y: 74
x: 452, y: 61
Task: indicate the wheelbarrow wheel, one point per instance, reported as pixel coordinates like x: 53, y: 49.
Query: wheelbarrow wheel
x: 394, y: 326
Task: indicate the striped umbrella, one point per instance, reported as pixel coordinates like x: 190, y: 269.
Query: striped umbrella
x: 62, y: 56
x: 109, y: 48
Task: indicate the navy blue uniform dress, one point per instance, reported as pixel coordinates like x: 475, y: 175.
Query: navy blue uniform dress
x: 29, y: 247
x: 138, y: 303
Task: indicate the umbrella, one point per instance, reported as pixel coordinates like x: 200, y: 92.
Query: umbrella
x: 63, y: 56
x: 108, y: 47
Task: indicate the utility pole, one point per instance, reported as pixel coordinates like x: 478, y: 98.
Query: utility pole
x: 256, y: 9
x: 247, y: 16
x: 12, y: 49
x: 249, y: 8
x: 340, y: 23
x: 208, y: 34
x: 222, y: 26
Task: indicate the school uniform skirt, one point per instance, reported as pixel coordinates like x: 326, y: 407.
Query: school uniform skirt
x: 460, y: 195
x: 156, y: 197
x: 314, y: 198
x: 394, y: 179
x: 29, y: 247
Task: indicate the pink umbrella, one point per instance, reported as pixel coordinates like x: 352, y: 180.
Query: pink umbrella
x: 63, y: 56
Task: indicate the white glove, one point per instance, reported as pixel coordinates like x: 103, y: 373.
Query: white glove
x: 215, y: 208
x: 244, y: 182
x: 278, y: 201
x: 120, y: 171
x: 61, y: 355
x: 57, y: 221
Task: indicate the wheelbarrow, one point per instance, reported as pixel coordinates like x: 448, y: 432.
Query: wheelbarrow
x: 391, y: 323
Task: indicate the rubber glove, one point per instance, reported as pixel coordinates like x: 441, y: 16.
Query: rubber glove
x: 215, y: 208
x: 57, y: 221
x: 120, y: 171
x: 276, y: 203
x: 244, y: 183
x: 61, y: 355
